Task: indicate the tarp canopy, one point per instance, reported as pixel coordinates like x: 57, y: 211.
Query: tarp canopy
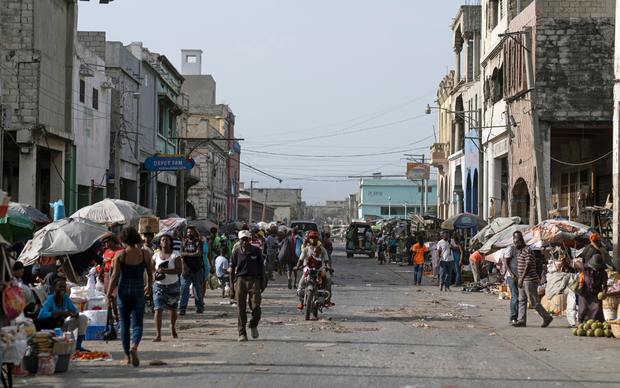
x: 496, y: 226
x: 167, y: 225
x: 464, y: 221
x: 63, y: 237
x: 502, y: 239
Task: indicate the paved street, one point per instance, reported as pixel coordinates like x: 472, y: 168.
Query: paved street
x: 374, y: 337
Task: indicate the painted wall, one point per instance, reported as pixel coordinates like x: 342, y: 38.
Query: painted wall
x: 91, y: 126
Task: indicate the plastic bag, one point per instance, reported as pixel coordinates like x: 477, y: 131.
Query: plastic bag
x: 213, y: 282
x: 59, y: 210
x: 47, y: 364
x: 14, y: 352
x: 13, y: 301
x: 571, y: 308
x: 91, y: 285
x: 100, y: 287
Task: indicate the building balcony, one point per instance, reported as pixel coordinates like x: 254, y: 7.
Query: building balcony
x: 439, y: 154
x: 192, y: 176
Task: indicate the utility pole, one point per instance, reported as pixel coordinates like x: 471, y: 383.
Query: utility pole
x: 182, y: 183
x: 480, y: 164
x: 251, y: 199
x: 540, y: 179
x: 117, y: 149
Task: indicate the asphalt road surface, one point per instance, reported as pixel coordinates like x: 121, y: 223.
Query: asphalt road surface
x: 383, y: 332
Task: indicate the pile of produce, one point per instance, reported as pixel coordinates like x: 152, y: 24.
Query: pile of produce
x: 593, y: 328
x: 90, y: 356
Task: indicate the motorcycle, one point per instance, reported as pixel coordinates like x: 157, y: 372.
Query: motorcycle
x: 314, y: 294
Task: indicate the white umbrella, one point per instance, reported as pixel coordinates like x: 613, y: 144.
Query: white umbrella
x: 63, y: 237
x: 114, y: 212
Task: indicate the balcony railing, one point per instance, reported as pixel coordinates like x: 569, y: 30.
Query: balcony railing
x: 439, y: 154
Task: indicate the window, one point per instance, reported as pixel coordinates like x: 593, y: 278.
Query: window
x: 493, y: 14
x: 82, y: 91
x: 170, y: 125
x: 191, y: 59
x: 160, y: 124
x: 95, y: 99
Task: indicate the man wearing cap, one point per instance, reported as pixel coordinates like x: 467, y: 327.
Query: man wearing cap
x: 191, y: 252
x: 307, y: 251
x: 527, y: 283
x: 247, y: 268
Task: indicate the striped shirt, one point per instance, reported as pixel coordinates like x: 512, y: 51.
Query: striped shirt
x: 525, y: 257
x: 176, y: 245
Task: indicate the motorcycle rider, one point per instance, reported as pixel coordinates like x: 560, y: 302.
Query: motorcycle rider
x: 306, y: 253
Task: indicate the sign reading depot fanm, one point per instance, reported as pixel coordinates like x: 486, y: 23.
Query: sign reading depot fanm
x: 169, y: 163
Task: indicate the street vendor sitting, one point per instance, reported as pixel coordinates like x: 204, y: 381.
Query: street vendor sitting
x: 57, y: 308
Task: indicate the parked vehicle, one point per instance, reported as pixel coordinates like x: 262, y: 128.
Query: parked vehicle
x: 305, y: 226
x: 357, y: 241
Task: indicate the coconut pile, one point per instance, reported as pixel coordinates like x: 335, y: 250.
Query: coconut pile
x: 593, y: 328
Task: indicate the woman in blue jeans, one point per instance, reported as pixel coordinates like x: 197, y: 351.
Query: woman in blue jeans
x: 128, y: 274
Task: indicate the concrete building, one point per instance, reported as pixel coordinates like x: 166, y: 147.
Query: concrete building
x: 381, y: 198
x: 216, y: 151
x: 333, y: 212
x: 37, y: 76
x: 287, y: 203
x: 440, y: 150
x: 259, y: 210
x: 92, y: 92
x: 455, y: 154
x: 563, y: 130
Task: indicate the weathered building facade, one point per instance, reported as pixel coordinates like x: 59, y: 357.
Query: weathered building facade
x: 543, y: 138
x: 37, y: 76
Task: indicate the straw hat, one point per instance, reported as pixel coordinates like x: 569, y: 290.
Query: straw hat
x: 110, y: 236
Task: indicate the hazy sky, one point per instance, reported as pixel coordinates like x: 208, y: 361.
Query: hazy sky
x: 322, y: 90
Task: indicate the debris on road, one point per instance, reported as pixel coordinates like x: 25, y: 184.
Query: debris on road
x: 156, y: 362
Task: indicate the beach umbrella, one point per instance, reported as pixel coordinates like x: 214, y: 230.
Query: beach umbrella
x: 114, y: 212
x: 16, y: 226
x: 496, y: 226
x: 63, y: 237
x: 30, y: 211
x: 464, y: 221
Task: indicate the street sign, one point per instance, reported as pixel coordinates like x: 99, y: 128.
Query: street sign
x: 417, y: 171
x: 169, y: 163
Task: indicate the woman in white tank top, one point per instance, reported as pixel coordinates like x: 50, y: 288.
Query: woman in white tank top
x: 166, y: 290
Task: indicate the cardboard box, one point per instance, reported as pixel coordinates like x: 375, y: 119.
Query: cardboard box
x: 503, y: 288
x: 63, y: 347
x: 149, y: 225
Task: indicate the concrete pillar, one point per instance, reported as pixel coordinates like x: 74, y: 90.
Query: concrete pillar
x: 457, y: 65
x: 476, y: 61
x: 28, y: 177
x: 57, y: 185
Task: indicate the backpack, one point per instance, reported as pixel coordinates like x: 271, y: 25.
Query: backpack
x: 223, y: 243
